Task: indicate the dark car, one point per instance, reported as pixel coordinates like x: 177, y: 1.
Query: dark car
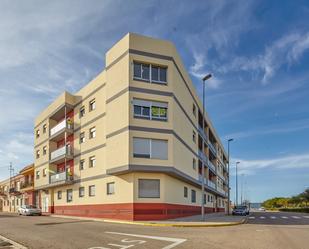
x: 240, y: 210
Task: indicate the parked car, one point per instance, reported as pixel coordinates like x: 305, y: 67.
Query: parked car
x: 240, y: 210
x: 29, y: 210
x: 262, y: 209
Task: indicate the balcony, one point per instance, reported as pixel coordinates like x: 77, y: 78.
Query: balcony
x: 202, y: 156
x: 212, y: 166
x: 3, y: 193
x: 56, y: 133
x: 26, y: 185
x: 220, y: 175
x: 61, y: 179
x: 221, y: 191
x: 14, y: 191
x: 211, y: 184
x: 202, y: 132
x: 200, y: 179
x: 59, y: 155
x: 213, y: 148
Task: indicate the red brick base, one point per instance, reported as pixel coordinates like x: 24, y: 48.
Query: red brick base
x: 132, y: 211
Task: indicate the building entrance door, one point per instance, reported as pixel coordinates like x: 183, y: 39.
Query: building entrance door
x: 45, y: 205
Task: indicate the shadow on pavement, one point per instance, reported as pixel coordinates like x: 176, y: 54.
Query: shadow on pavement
x: 61, y: 223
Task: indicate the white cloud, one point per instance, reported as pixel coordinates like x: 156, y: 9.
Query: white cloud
x: 250, y: 167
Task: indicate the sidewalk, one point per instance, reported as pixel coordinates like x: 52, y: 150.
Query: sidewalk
x: 211, y: 220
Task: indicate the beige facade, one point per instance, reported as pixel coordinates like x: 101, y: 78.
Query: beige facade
x: 128, y: 144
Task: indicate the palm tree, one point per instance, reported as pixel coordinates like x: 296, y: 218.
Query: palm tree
x: 305, y: 196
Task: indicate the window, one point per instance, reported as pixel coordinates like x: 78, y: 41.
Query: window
x: 92, y: 162
x: 44, y: 172
x: 37, y: 174
x: 69, y: 195
x: 44, y: 128
x: 37, y: 133
x: 110, y: 188
x: 44, y: 150
x: 141, y: 71
x: 158, y: 74
x: 150, y: 148
x: 81, y: 164
x: 82, y: 137
x: 150, y: 109
x: 59, y: 195
x: 194, y: 110
x: 208, y: 198
x: 194, y: 136
x: 92, y: 190
x: 17, y: 202
x: 92, y: 105
x: 82, y: 112
x: 148, y: 188
x: 194, y: 163
x: 185, y: 192
x: 204, y: 199
x: 147, y: 72
x: 38, y: 154
x: 81, y: 191
x: 193, y: 196
x: 92, y: 132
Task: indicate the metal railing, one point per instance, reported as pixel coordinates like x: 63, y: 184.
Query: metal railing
x: 222, y: 191
x: 65, y: 150
x: 211, y: 165
x: 61, y: 177
x: 203, y: 156
x: 26, y: 185
x: 202, y: 132
x: 200, y: 179
x: 212, y: 147
x: 211, y: 184
x: 63, y: 124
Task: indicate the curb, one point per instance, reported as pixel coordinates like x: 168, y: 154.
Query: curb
x: 154, y: 224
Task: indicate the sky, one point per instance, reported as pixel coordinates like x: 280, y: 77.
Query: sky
x: 257, y: 51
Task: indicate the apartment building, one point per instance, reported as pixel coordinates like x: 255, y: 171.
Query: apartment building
x: 17, y: 190
x: 129, y: 144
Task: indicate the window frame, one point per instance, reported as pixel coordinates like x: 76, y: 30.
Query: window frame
x: 92, y: 105
x: 82, y: 111
x: 149, y: 197
x: 59, y: 195
x: 82, y: 137
x: 185, y: 192
x: 92, y: 132
x: 193, y: 196
x: 148, y: 104
x: 44, y: 150
x: 91, y: 160
x: 135, y: 155
x: 89, y: 190
x: 108, y: 192
x: 150, y: 65
x: 44, y: 128
x: 71, y: 194
x: 82, y: 162
x: 79, y: 191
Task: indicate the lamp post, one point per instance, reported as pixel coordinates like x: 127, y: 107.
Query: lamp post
x: 237, y: 184
x: 228, y: 174
x: 206, y: 77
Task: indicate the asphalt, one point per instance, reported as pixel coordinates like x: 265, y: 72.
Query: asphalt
x: 53, y: 232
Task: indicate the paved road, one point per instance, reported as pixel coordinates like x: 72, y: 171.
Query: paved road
x: 48, y: 232
x: 279, y: 218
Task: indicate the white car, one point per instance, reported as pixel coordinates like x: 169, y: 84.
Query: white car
x: 262, y: 209
x: 29, y: 210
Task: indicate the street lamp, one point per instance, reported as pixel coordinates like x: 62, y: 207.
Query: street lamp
x: 206, y: 77
x: 237, y: 184
x: 228, y: 174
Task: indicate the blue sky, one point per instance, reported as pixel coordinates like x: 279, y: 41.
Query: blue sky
x: 258, y: 52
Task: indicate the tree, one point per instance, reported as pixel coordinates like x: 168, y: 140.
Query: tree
x: 305, y: 196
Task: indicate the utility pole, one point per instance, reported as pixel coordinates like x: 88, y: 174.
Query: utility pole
x: 11, y: 170
x: 237, y: 184
x: 242, y: 189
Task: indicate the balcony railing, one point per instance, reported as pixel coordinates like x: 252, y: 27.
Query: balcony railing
x: 202, y: 155
x: 202, y: 132
x: 200, y: 179
x: 222, y: 191
x: 212, y: 166
x: 60, y: 177
x: 26, y: 185
x: 212, y: 147
x: 221, y: 175
x: 63, y: 151
x: 62, y: 125
x: 211, y: 184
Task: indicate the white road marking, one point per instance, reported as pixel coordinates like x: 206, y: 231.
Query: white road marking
x: 284, y: 217
x: 273, y: 217
x: 176, y: 241
x: 295, y: 217
x: 262, y: 217
x: 251, y: 217
x: 306, y: 217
